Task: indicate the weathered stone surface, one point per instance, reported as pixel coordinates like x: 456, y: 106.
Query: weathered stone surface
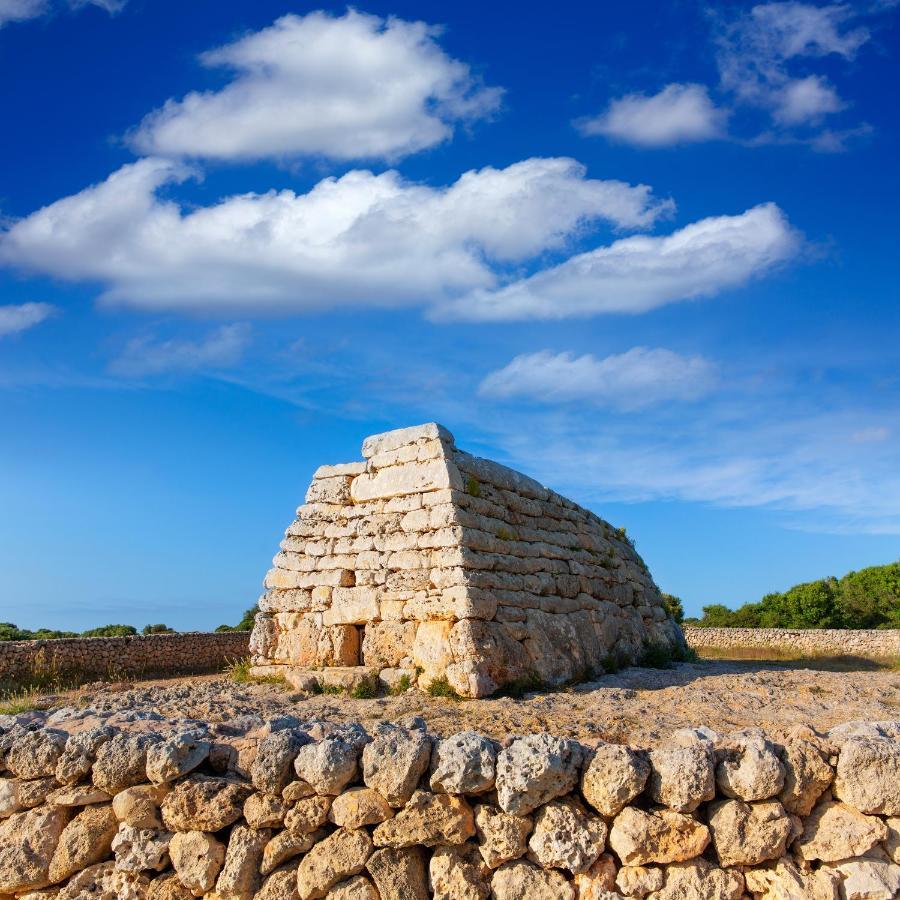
x: 265, y: 811
x: 138, y: 806
x: 359, y: 806
x: 459, y: 873
x: 465, y: 763
x: 428, y: 819
x: 700, y: 880
x: 77, y: 795
x: 682, y: 777
x: 166, y: 887
x: 9, y: 797
x: 518, y: 880
x: 86, y: 840
x: 356, y: 888
x: 327, y: 765
x: 35, y: 754
x: 412, y: 478
x: 240, y: 874
x: 399, y: 874
x: 747, y: 834
x: 285, y: 846
x: 281, y: 885
x: 175, y: 756
x: 536, y: 769
x: 748, y: 768
x: 868, y: 879
x: 308, y: 815
x: 35, y: 791
x: 394, y: 762
x: 785, y: 881
x: 485, y: 657
x: 613, y: 777
x: 892, y: 841
x: 27, y: 843
x: 275, y: 754
x: 660, y: 836
x: 638, y: 881
x: 122, y: 761
x: 386, y: 645
x: 836, y: 831
x: 501, y: 836
x: 80, y: 752
x: 141, y: 849
x: 105, y: 882
x: 352, y: 606
x: 200, y: 803
x: 197, y: 858
x: 807, y: 775
x: 332, y: 860
x: 599, y: 881
x: 868, y: 775
x: 565, y: 836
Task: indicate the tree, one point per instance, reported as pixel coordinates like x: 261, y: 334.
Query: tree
x: 157, y: 629
x: 246, y: 623
x: 110, y: 631
x: 673, y: 607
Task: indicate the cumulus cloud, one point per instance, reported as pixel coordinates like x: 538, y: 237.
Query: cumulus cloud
x: 640, y: 273
x: 15, y: 319
x: 220, y: 349
x: 360, y: 239
x: 353, y: 87
x: 638, y: 378
x: 678, y: 114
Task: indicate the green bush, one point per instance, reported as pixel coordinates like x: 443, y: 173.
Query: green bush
x: 246, y: 623
x: 157, y: 629
x: 110, y: 631
x: 674, y: 607
x: 440, y: 687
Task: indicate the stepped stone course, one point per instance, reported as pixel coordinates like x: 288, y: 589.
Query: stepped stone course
x: 428, y: 562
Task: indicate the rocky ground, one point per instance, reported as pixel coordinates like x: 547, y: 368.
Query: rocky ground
x: 638, y: 706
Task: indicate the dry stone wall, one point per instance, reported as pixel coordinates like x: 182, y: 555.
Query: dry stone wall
x: 870, y: 644
x: 155, y: 654
x: 425, y: 562
x: 283, y: 810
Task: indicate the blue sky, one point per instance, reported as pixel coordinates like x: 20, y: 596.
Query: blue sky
x: 646, y: 253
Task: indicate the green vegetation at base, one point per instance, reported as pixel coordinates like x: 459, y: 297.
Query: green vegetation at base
x: 11, y: 632
x: 246, y: 623
x: 440, y: 687
x: 238, y: 670
x: 869, y: 598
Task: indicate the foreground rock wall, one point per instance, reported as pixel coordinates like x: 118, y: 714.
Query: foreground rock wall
x: 154, y: 654
x: 425, y: 562
x: 870, y: 644
x: 287, y: 811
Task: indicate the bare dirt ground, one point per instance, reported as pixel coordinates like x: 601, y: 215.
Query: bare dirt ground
x: 641, y: 706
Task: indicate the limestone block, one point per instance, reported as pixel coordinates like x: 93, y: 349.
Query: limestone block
x: 459, y: 873
x: 868, y: 775
x: 240, y: 875
x: 334, y: 859
x: 566, y: 836
x: 386, y: 644
x: 308, y: 815
x: 807, y: 774
x: 138, y: 806
x: 613, y: 777
x: 599, y: 881
x: 786, y: 882
x: 399, y: 437
x: 501, y: 836
x: 273, y: 765
x: 451, y: 604
x: 329, y: 765
x: 638, y: 881
x: 197, y: 859
x: 682, y: 777
x: 352, y: 606
x: 747, y: 834
x: 359, y: 806
x: 748, y: 767
x: 27, y: 844
x: 301, y: 639
x: 411, y: 478
x: 265, y: 811
x: 86, y: 840
x: 431, y: 648
x: 140, y: 849
x: 35, y: 754
x: 517, y: 880
x: 341, y: 469
x: 399, y: 874
x: 287, y: 845
x: 394, y: 762
x: 463, y: 763
x: 659, y: 836
x: 356, y: 888
x: 427, y: 819
x: 536, y: 769
x: 869, y: 879
x: 484, y: 657
x: 200, y: 803
x: 700, y: 880
x: 836, y: 831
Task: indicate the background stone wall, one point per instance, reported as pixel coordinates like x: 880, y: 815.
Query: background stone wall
x: 292, y: 811
x: 871, y: 644
x: 133, y: 655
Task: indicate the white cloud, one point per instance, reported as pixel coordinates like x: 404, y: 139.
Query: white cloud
x: 640, y: 273
x: 361, y: 239
x: 354, y: 87
x: 220, y: 349
x: 806, y: 100
x: 21, y: 10
x: 638, y: 378
x: 680, y: 113
x: 15, y: 319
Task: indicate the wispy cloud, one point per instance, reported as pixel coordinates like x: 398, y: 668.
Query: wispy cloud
x: 23, y: 10
x: 15, y: 319
x: 144, y: 356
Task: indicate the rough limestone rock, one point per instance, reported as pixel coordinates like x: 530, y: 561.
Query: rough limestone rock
x: 265, y: 811
x: 394, y: 762
x: 201, y: 803
x: 869, y: 879
x: 78, y: 795
x: 565, y: 836
x: 275, y: 754
x: 138, y: 806
x: 34, y: 754
x: 659, y: 836
x: 425, y: 559
x: 536, y: 769
x: 122, y: 761
x: 868, y: 775
x: 638, y: 881
x: 166, y: 887
x: 501, y: 836
x: 807, y: 775
x: 428, y: 819
x: 747, y: 834
x: 86, y: 840
x: 599, y: 881
x: 141, y: 849
x: 308, y: 815
x: 176, y: 756
x: 35, y: 791
x: 682, y: 777
x: 892, y: 841
x: 9, y: 797
x: 836, y: 831
x: 27, y: 843
x: 459, y: 873
x: 359, y: 806
x: 464, y: 763
x: 328, y: 765
x: 700, y: 880
x: 785, y: 881
x: 105, y: 882
x: 399, y: 874
x: 80, y: 752
x: 748, y: 767
x: 336, y: 858
x: 286, y: 845
x: 356, y: 888
x: 240, y: 874
x: 197, y: 859
x: 281, y: 885
x: 518, y: 880
x: 613, y: 777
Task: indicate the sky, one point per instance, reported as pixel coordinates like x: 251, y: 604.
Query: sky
x: 646, y: 253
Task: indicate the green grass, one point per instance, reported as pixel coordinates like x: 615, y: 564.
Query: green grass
x: 473, y: 488
x: 402, y: 686
x: 24, y: 701
x: 793, y: 659
x: 440, y: 687
x: 238, y: 670
x: 365, y: 690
